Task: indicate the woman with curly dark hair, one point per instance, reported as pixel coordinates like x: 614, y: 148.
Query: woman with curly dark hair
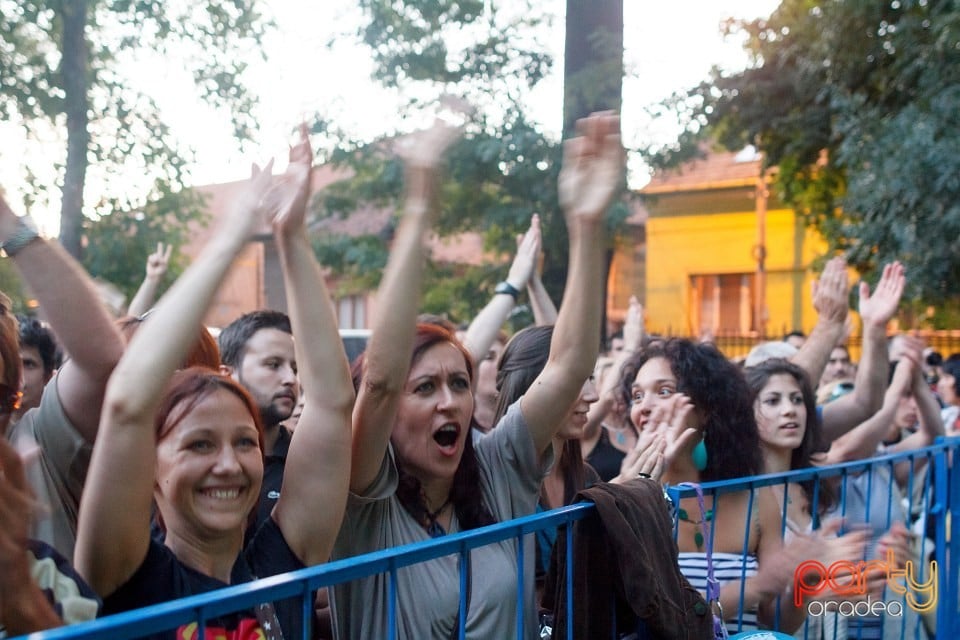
x: 700, y: 402
x: 416, y: 470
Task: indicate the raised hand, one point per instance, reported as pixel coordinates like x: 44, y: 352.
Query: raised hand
x: 645, y: 460
x: 158, y: 261
x: 633, y: 325
x: 528, y: 253
x: 831, y: 290
x: 425, y: 149
x: 877, y: 309
x: 672, y: 421
x: 288, y: 197
x: 250, y: 206
x: 592, y: 167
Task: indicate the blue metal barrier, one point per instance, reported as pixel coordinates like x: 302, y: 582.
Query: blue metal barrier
x: 943, y: 500
x: 939, y: 496
x: 302, y: 583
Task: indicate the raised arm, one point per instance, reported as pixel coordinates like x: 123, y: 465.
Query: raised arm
x: 830, y: 300
x: 870, y: 382
x: 483, y: 329
x: 387, y: 357
x: 544, y: 311
x: 862, y: 441
x: 591, y: 175
x: 84, y: 327
x: 318, y: 463
x: 146, y: 295
x: 928, y: 412
x: 114, y: 530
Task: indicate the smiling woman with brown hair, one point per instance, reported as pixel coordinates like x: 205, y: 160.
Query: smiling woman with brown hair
x: 201, y: 436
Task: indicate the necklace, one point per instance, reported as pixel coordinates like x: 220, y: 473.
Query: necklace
x: 434, y: 528
x: 698, y: 536
x: 619, y: 435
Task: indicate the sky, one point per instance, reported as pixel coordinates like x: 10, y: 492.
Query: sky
x: 314, y: 64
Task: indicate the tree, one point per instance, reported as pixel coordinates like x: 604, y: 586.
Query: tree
x: 60, y: 61
x: 503, y: 170
x: 117, y: 246
x: 855, y: 103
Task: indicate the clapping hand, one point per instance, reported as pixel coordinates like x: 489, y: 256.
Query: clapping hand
x: 831, y: 290
x: 877, y: 309
x: 290, y: 194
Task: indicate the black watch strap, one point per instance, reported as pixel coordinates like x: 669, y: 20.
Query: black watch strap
x: 507, y: 288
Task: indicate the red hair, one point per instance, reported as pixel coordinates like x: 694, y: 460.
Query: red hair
x: 428, y: 335
x: 203, y: 353
x: 188, y: 387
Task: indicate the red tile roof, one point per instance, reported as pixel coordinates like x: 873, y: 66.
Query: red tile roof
x: 718, y: 170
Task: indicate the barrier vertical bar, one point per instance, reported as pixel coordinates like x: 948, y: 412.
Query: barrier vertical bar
x: 464, y: 589
x: 392, y: 602
x: 947, y: 491
x: 306, y: 610
x: 521, y: 599
x: 569, y: 570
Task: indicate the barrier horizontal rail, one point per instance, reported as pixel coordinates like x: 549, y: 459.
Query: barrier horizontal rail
x: 167, y: 616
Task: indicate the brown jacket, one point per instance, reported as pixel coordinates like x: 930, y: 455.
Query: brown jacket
x: 625, y: 572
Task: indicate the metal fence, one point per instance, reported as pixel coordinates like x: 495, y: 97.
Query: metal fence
x: 935, y: 494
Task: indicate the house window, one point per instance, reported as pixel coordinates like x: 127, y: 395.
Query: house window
x: 723, y: 303
x: 352, y: 312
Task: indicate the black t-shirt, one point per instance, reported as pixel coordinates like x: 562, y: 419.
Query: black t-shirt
x: 273, y: 466
x: 162, y: 577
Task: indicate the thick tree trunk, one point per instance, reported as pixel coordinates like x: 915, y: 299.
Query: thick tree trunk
x: 593, y: 59
x: 593, y: 75
x: 74, y: 69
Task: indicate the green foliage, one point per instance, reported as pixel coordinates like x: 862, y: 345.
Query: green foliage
x: 855, y: 102
x: 502, y: 172
x: 414, y: 40
x: 213, y: 39
x: 12, y: 285
x: 118, y: 244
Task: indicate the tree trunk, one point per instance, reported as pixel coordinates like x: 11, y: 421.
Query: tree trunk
x: 593, y: 77
x: 593, y: 59
x: 73, y: 66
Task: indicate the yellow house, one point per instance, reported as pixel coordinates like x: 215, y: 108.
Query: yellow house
x: 723, y: 257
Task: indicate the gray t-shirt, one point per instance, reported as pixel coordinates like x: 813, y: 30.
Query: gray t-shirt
x: 428, y: 593
x: 57, y: 475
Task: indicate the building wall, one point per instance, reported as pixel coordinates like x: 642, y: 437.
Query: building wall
x: 682, y: 245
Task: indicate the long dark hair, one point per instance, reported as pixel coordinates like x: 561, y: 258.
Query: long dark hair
x: 803, y: 456
x: 522, y: 360
x: 719, y: 393
x: 467, y: 500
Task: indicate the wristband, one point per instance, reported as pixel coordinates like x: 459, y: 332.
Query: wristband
x: 24, y: 234
x: 507, y: 288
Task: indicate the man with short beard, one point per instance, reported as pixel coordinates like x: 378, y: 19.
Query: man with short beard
x: 257, y: 351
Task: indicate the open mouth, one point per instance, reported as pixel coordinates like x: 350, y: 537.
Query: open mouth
x: 446, y: 436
